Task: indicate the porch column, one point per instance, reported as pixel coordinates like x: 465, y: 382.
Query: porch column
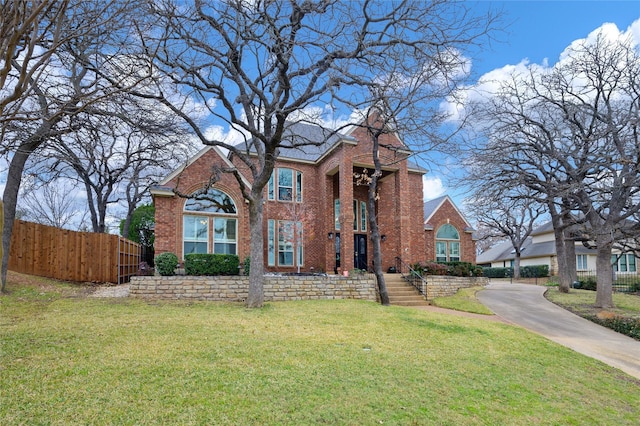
x: 407, y: 252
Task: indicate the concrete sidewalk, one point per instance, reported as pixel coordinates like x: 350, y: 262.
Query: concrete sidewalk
x: 526, y: 306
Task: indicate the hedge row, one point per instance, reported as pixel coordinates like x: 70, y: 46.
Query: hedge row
x: 455, y: 269
x: 211, y: 264
x: 531, y: 271
x: 199, y: 264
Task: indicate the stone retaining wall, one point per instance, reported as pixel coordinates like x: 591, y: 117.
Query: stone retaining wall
x: 236, y: 288
x: 440, y: 285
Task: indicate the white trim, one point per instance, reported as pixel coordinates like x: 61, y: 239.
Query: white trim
x: 193, y: 159
x: 444, y: 198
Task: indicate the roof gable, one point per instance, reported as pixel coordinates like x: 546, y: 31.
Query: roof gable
x: 432, y: 206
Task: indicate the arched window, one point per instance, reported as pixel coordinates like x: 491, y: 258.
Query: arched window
x: 206, y: 215
x: 447, y: 244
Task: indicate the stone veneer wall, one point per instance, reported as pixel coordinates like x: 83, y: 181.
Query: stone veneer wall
x: 440, y: 285
x: 236, y: 288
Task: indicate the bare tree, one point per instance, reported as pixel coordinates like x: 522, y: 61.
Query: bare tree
x: 570, y: 135
x: 53, y: 204
x: 510, y: 216
x: 62, y: 86
x: 254, y: 66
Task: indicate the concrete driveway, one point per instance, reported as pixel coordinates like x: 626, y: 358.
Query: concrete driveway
x: 525, y: 305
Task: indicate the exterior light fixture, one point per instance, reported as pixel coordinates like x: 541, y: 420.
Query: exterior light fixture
x: 330, y: 235
x: 383, y: 237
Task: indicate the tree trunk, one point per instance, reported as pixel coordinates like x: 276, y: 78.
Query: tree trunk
x: 10, y: 197
x: 570, y: 256
x: 373, y: 224
x: 604, y: 275
x: 564, y: 275
x: 255, y: 298
x: 516, y: 265
x: 375, y: 241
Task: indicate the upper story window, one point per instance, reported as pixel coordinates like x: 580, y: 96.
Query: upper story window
x: 447, y: 244
x: 286, y: 185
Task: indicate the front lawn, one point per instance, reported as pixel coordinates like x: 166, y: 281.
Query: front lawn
x: 68, y: 359
x: 624, y: 318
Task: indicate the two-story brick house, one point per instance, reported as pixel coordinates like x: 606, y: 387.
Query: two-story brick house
x: 315, y: 214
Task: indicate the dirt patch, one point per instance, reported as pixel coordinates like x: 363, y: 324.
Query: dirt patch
x: 17, y: 280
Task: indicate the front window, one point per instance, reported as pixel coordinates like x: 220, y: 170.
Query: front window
x: 336, y: 213
x: 290, y: 251
x: 581, y: 262
x: 196, y: 234
x: 224, y: 236
x: 209, y: 225
x: 624, y: 263
x: 447, y: 244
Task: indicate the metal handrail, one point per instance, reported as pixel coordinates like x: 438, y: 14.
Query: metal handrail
x: 413, y: 277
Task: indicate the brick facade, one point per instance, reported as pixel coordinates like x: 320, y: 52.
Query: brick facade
x: 448, y: 213
x: 324, y: 180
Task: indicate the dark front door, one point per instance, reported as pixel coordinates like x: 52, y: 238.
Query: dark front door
x: 360, y: 251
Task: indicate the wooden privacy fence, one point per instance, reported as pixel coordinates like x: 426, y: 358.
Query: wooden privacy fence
x: 73, y: 256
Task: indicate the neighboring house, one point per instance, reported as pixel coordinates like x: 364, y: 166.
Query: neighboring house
x: 315, y: 214
x: 540, y: 249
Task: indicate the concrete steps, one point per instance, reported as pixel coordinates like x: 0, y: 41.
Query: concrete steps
x: 402, y: 293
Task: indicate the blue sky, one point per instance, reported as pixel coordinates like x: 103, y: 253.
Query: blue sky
x: 537, y: 31
x: 543, y: 29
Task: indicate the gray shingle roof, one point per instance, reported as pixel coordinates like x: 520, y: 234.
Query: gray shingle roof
x: 431, y: 206
x: 504, y: 251
x: 310, y: 140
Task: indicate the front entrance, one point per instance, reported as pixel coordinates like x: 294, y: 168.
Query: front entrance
x: 360, y: 251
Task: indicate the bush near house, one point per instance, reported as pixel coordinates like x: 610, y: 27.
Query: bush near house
x: 454, y: 269
x: 534, y: 271
x: 211, y: 264
x: 166, y: 264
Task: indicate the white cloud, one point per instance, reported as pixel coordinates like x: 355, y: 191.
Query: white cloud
x: 489, y: 83
x: 432, y: 188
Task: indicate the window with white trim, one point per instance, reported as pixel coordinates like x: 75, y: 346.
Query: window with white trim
x: 624, y: 263
x: 447, y: 244
x: 286, y: 183
x: 581, y: 262
x: 290, y: 243
x: 210, y: 224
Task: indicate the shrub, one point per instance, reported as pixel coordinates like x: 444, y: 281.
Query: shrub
x: 211, y: 264
x: 497, y: 272
x: 430, y: 268
x: 456, y: 269
x: 247, y: 266
x: 166, y: 264
x: 534, y: 271
x: 624, y: 325
x: 588, y: 283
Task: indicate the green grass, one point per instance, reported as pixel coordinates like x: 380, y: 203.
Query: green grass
x: 582, y: 301
x: 464, y: 300
x: 76, y: 360
x: 623, y: 318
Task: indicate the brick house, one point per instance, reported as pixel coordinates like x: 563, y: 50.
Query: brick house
x: 314, y: 208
